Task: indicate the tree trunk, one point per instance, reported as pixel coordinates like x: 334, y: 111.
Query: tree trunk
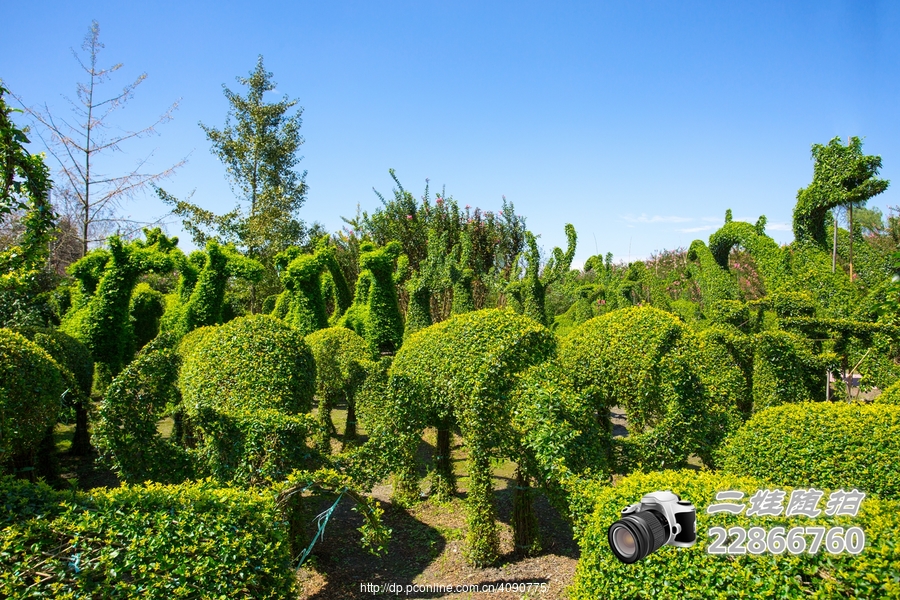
x: 350, y: 429
x: 850, y: 222
x: 81, y: 440
x: 525, y: 528
x: 443, y: 483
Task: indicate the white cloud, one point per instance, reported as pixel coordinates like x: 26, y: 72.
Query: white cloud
x: 643, y: 218
x: 779, y: 226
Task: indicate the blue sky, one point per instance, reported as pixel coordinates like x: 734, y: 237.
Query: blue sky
x: 638, y: 122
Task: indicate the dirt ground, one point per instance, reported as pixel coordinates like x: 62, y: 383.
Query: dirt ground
x: 426, y: 549
x: 426, y: 545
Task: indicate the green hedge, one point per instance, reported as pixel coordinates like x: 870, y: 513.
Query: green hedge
x: 716, y: 283
x: 785, y: 370
x: 461, y: 371
x: 821, y: 444
x: 77, y: 367
x: 889, y: 396
x: 253, y: 447
x: 341, y: 357
x: 126, y: 432
x: 302, y: 304
x: 66, y: 351
x: 643, y: 360
x: 375, y: 313
x: 726, y: 370
x: 147, y: 306
x: 102, y: 322
x: 694, y: 573
x: 247, y: 364
x: 161, y: 542
x: 31, y: 385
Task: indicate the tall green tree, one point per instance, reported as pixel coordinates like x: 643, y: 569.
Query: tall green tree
x: 842, y: 177
x: 259, y: 146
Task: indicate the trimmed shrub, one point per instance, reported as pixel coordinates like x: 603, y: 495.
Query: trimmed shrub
x: 187, y: 344
x: 726, y: 370
x: 732, y: 313
x: 889, y: 396
x: 792, y: 304
x: 341, y: 356
x: 559, y: 436
x: 155, y: 541
x: 147, y: 306
x: 77, y: 367
x: 244, y: 385
x: 716, y: 283
x: 102, y: 322
x: 785, y: 370
x: 302, y: 304
x: 126, y: 432
x: 68, y: 352
x: 461, y: 371
x: 31, y: 384
x: 253, y: 447
x: 249, y: 363
x: 821, y: 444
x: 643, y: 360
x: 200, y: 301
x: 694, y: 573
x: 375, y: 313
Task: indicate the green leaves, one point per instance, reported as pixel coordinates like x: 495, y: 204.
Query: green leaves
x: 30, y: 388
x: 694, y: 573
x: 821, y: 444
x: 842, y: 176
x: 149, y: 541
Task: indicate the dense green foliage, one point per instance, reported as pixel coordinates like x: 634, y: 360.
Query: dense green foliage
x: 821, y: 444
x: 647, y: 362
x: 147, y: 307
x: 253, y: 447
x: 24, y: 194
x: 102, y: 322
x: 528, y: 293
x: 126, y: 432
x: 785, y: 370
x: 155, y: 541
x: 31, y: 385
x: 77, y: 367
x: 375, y: 313
x: 694, y: 573
x: 200, y: 300
x: 245, y: 386
x: 716, y: 284
x: 459, y: 373
x: 247, y: 364
x: 342, y: 359
x: 842, y: 176
x: 302, y: 304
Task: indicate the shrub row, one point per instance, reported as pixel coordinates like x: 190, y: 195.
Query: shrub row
x: 694, y: 573
x: 822, y: 445
x: 155, y: 541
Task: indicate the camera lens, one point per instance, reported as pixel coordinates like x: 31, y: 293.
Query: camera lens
x: 636, y: 535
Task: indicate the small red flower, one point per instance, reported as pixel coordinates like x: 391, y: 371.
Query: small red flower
x: 409, y: 217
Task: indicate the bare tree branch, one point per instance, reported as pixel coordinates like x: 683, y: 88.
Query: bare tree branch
x: 91, y: 201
